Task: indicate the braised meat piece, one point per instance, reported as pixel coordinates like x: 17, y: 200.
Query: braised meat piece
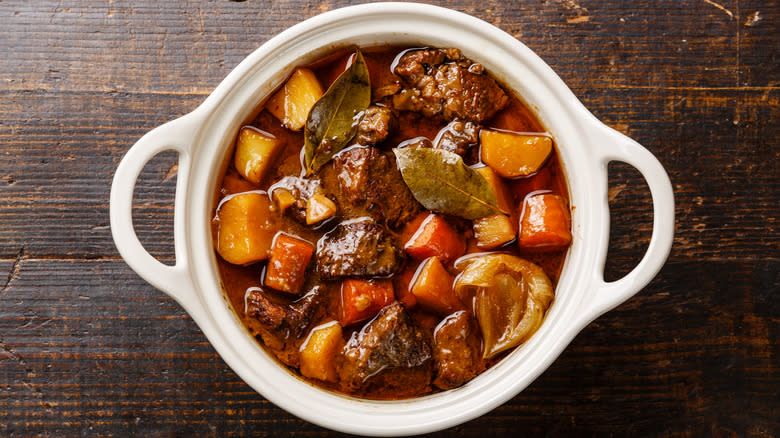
x: 458, y: 137
x: 442, y: 83
x: 356, y: 248
x: 417, y: 142
x: 281, y: 324
x: 456, y: 348
x: 391, y: 342
x: 388, y: 89
x: 301, y: 189
x: 358, y: 170
x: 375, y: 125
x: 370, y: 177
x: 285, y: 320
x: 415, y: 65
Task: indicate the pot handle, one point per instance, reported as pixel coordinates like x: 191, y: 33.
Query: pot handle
x: 618, y: 147
x: 176, y: 135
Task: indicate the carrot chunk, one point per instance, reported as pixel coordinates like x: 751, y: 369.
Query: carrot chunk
x: 287, y: 264
x: 544, y: 223
x: 363, y: 299
x: 403, y: 287
x: 411, y: 227
x: 541, y: 180
x: 503, y: 195
x: 435, y: 237
x: 512, y: 154
x: 433, y: 288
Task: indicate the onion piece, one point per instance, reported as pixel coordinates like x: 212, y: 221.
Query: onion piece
x: 511, y: 296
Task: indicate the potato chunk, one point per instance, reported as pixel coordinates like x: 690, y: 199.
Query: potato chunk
x: 512, y: 154
x: 255, y: 152
x: 291, y: 104
x: 318, y: 208
x: 493, y: 231
x: 245, y: 228
x: 318, y: 352
x: 283, y: 198
x: 233, y: 183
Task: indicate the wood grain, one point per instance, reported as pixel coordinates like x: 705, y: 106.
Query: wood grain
x: 87, y: 348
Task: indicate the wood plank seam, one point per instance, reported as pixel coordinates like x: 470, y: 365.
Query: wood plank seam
x: 17, y: 265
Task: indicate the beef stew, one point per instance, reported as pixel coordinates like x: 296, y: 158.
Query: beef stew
x: 378, y: 231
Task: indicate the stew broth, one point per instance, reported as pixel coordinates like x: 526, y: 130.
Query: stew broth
x: 241, y: 282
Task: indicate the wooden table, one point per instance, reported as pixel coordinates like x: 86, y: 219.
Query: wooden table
x: 87, y: 348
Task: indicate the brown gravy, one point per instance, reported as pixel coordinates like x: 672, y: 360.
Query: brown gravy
x: 516, y: 116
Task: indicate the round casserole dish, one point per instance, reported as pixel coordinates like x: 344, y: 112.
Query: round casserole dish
x: 203, y: 139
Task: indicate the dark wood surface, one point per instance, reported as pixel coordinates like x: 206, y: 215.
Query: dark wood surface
x: 87, y: 348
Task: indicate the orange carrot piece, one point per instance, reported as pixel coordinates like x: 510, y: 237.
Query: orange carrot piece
x: 287, y: 265
x: 435, y: 237
x: 411, y: 227
x: 363, y: 299
x: 544, y: 223
x: 541, y: 180
x: 503, y: 196
x: 403, y: 285
x: 433, y: 288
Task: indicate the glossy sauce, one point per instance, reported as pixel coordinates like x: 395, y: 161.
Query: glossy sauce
x: 237, y: 280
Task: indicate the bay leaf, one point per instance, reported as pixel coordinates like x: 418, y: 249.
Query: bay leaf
x: 441, y: 182
x: 333, y: 120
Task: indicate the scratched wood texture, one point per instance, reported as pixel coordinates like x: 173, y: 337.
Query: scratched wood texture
x: 87, y: 348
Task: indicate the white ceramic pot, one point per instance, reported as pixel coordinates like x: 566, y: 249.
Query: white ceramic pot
x: 203, y: 140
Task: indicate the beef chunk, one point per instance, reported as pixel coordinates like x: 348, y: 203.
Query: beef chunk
x: 391, y: 342
x: 417, y: 142
x: 281, y: 324
x: 442, y: 83
x: 358, y: 247
x: 302, y: 189
x: 379, y: 93
x: 288, y: 320
x: 458, y: 137
x: 415, y: 65
x: 375, y: 125
x: 370, y: 178
x: 456, y: 348
x: 358, y: 170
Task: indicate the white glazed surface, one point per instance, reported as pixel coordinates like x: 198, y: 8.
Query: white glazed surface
x: 203, y: 138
